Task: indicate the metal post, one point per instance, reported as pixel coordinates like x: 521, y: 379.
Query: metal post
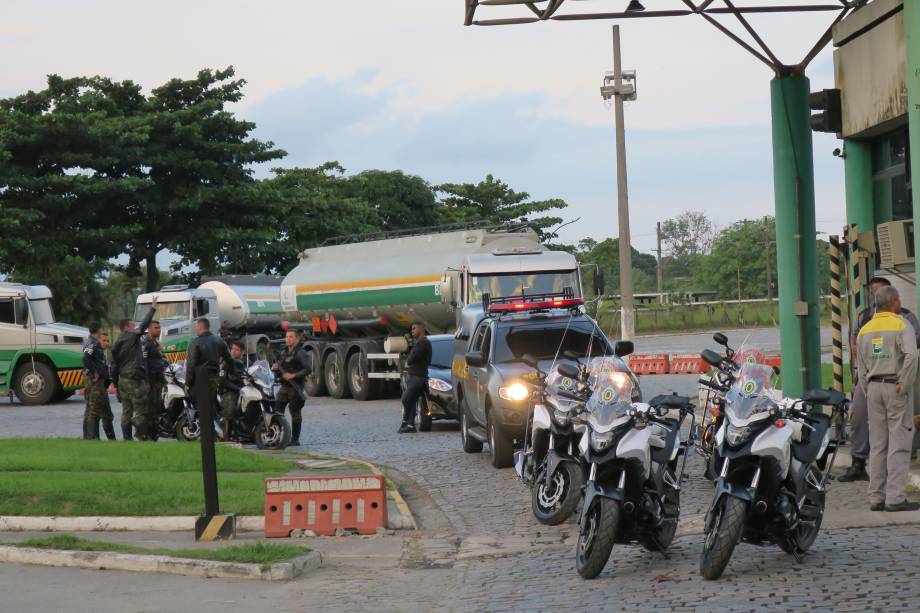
x: 836, y: 319
x: 857, y: 169
x: 628, y: 322
x: 796, y: 248
x: 912, y: 42
x: 658, y: 267
x: 766, y: 250
x: 212, y: 525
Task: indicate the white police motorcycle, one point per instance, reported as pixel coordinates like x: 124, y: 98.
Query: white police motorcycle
x: 259, y: 421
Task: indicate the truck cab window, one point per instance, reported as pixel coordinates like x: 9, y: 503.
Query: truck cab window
x: 7, y: 314
x: 201, y: 308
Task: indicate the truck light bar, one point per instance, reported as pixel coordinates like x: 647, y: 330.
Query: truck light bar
x: 535, y: 305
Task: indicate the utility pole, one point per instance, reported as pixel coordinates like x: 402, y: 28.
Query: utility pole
x: 766, y: 249
x: 658, y: 268
x: 618, y: 91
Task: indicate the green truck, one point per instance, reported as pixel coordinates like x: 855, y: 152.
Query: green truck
x: 41, y: 360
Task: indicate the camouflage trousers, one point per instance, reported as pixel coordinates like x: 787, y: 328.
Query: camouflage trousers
x: 135, y: 406
x: 97, y: 399
x: 156, y: 398
x: 229, y: 401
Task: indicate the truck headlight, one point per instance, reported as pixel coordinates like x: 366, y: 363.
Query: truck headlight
x: 438, y: 385
x: 514, y: 392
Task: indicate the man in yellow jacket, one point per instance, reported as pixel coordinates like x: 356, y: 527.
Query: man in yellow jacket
x: 887, y: 364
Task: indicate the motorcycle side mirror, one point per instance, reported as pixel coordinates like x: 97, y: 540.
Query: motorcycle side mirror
x: 531, y: 361
x: 711, y: 357
x: 720, y: 339
x: 622, y: 348
x: 568, y: 370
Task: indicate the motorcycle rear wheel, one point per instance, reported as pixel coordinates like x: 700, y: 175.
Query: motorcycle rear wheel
x: 805, y: 534
x: 277, y: 435
x: 186, y: 431
x: 720, y: 542
x: 595, y: 540
x: 555, y: 501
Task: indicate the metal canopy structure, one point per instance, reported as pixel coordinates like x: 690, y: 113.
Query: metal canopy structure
x: 793, y: 165
x: 573, y: 10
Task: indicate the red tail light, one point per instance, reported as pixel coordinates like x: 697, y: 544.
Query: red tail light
x: 558, y: 303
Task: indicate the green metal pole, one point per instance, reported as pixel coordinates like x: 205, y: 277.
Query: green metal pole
x: 796, y: 247
x: 857, y: 170
x: 912, y: 42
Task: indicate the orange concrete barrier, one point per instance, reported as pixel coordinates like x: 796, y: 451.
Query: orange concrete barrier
x: 323, y: 504
x: 688, y: 364
x: 774, y: 360
x: 649, y: 363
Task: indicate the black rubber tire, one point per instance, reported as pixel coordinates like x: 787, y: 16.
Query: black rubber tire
x: 359, y: 385
x: 591, y: 557
x: 38, y: 386
x: 186, y: 432
x: 278, y: 438
x: 571, y: 478
x: 316, y: 380
x: 666, y: 532
x: 726, y: 532
x: 334, y: 375
x: 500, y: 444
x: 470, y: 444
x: 422, y: 418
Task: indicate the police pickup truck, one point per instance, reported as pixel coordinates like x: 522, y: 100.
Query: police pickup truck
x: 489, y: 378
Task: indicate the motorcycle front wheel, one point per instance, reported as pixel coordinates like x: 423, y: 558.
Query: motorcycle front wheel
x: 187, y: 430
x: 555, y: 499
x: 595, y: 540
x: 725, y: 534
x: 276, y: 435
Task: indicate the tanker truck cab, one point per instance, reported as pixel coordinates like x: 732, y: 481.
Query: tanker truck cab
x: 41, y: 360
x: 178, y: 306
x: 490, y: 377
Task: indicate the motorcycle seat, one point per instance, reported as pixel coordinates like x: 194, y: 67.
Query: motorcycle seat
x: 807, y: 451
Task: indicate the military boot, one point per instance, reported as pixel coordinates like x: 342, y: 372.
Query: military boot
x: 295, y: 433
x: 126, y: 432
x: 856, y: 471
x: 90, y: 428
x: 109, y: 429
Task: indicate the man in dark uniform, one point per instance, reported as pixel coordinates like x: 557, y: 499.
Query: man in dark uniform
x: 206, y: 351
x: 417, y: 364
x: 229, y: 384
x: 96, y: 384
x: 294, y: 366
x: 156, y: 369
x: 129, y: 373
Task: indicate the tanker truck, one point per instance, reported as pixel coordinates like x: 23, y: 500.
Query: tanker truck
x: 356, y: 301
x: 247, y: 307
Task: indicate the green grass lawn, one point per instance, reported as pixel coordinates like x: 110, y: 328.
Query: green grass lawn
x: 252, y: 553
x: 73, y: 477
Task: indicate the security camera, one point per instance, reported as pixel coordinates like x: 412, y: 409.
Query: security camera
x: 839, y: 154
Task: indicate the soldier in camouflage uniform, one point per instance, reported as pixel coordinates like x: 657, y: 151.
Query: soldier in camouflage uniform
x: 96, y: 383
x: 230, y: 381
x: 129, y: 373
x: 156, y: 368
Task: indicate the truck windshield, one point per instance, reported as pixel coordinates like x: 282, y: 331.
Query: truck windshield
x: 41, y: 311
x: 174, y: 311
x: 544, y: 342
x: 517, y: 284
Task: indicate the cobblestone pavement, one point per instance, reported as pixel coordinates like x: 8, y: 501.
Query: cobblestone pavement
x: 480, y: 549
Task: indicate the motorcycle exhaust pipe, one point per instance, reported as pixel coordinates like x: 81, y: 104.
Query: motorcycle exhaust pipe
x: 629, y: 506
x: 761, y: 506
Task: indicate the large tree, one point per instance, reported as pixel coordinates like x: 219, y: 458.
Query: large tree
x: 606, y: 255
x: 686, y: 237
x: 493, y: 201
x: 401, y: 201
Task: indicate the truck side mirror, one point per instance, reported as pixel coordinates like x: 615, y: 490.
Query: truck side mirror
x: 599, y: 285
x: 475, y: 359
x: 622, y: 348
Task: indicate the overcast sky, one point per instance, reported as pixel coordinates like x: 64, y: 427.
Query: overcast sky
x: 402, y: 84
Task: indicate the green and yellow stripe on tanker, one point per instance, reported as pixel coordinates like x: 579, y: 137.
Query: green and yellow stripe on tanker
x: 263, y: 304
x: 349, y: 294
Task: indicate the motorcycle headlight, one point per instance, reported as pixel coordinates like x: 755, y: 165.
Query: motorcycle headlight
x: 737, y: 435
x: 561, y: 417
x: 514, y: 392
x: 438, y: 385
x: 600, y: 440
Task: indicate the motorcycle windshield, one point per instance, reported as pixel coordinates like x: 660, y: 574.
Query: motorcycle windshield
x: 611, y: 392
x: 179, y: 372
x: 556, y: 383
x: 752, y: 394
x: 262, y: 374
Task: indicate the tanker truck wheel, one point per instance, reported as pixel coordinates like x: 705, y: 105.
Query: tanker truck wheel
x: 316, y: 380
x: 360, y: 386
x: 334, y: 372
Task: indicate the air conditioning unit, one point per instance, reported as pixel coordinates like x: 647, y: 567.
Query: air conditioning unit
x: 896, y: 243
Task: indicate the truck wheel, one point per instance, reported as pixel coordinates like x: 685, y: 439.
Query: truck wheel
x: 502, y: 451
x: 360, y: 386
x: 316, y: 381
x: 334, y: 373
x: 35, y: 386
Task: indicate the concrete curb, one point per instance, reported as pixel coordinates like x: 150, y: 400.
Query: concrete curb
x: 165, y: 523
x: 103, y: 560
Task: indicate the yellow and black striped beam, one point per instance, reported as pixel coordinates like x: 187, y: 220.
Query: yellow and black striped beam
x: 71, y: 378
x: 176, y: 356
x: 836, y: 319
x: 215, y: 527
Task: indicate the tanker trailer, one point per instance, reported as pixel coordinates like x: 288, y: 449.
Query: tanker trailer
x: 350, y: 298
x: 246, y: 307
